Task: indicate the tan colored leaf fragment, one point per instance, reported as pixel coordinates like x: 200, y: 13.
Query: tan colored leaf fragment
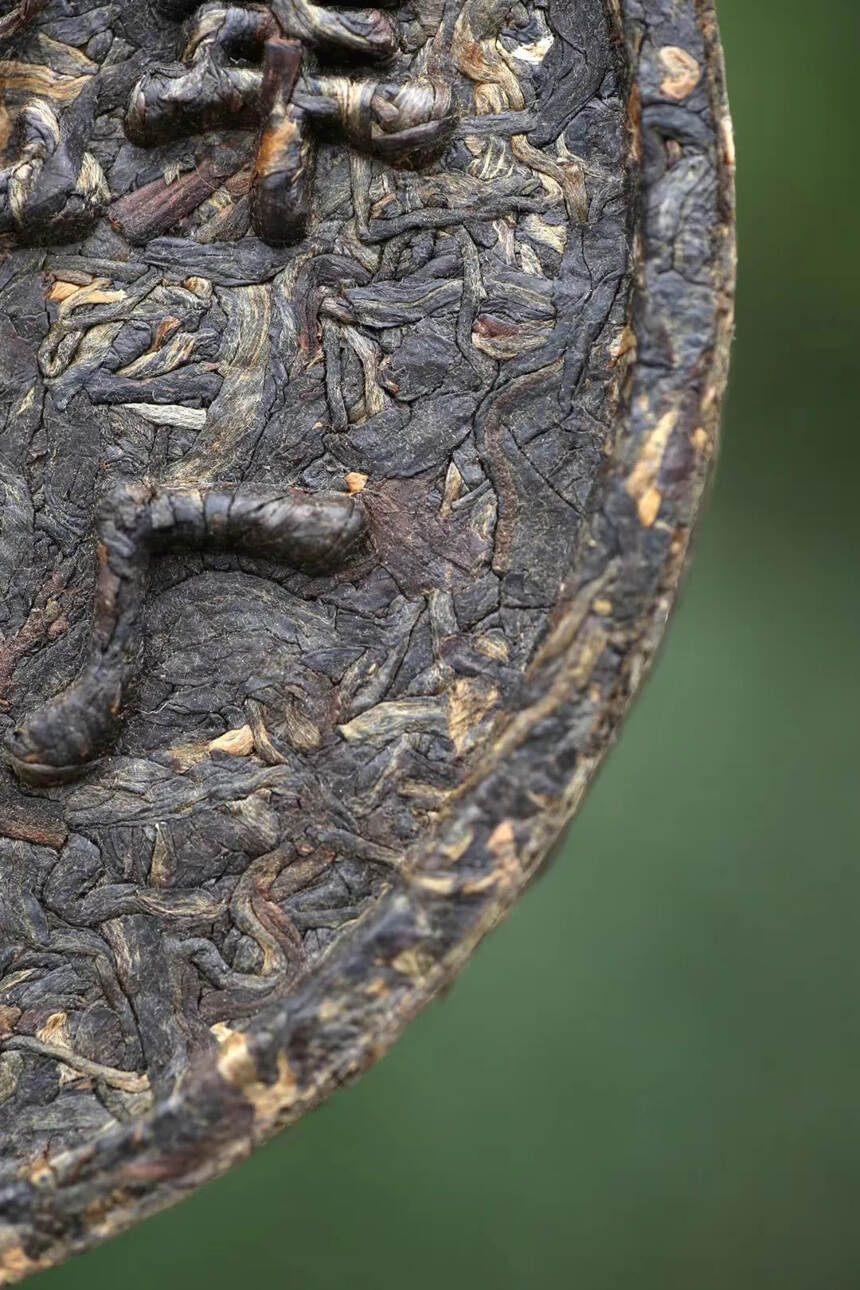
x: 682, y: 72
x: 236, y: 743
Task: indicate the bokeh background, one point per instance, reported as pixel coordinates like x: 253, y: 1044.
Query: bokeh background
x: 650, y: 1076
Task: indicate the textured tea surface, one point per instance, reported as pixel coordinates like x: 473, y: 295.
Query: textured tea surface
x: 397, y: 291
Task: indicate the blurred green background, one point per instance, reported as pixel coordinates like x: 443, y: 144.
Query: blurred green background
x: 649, y: 1077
